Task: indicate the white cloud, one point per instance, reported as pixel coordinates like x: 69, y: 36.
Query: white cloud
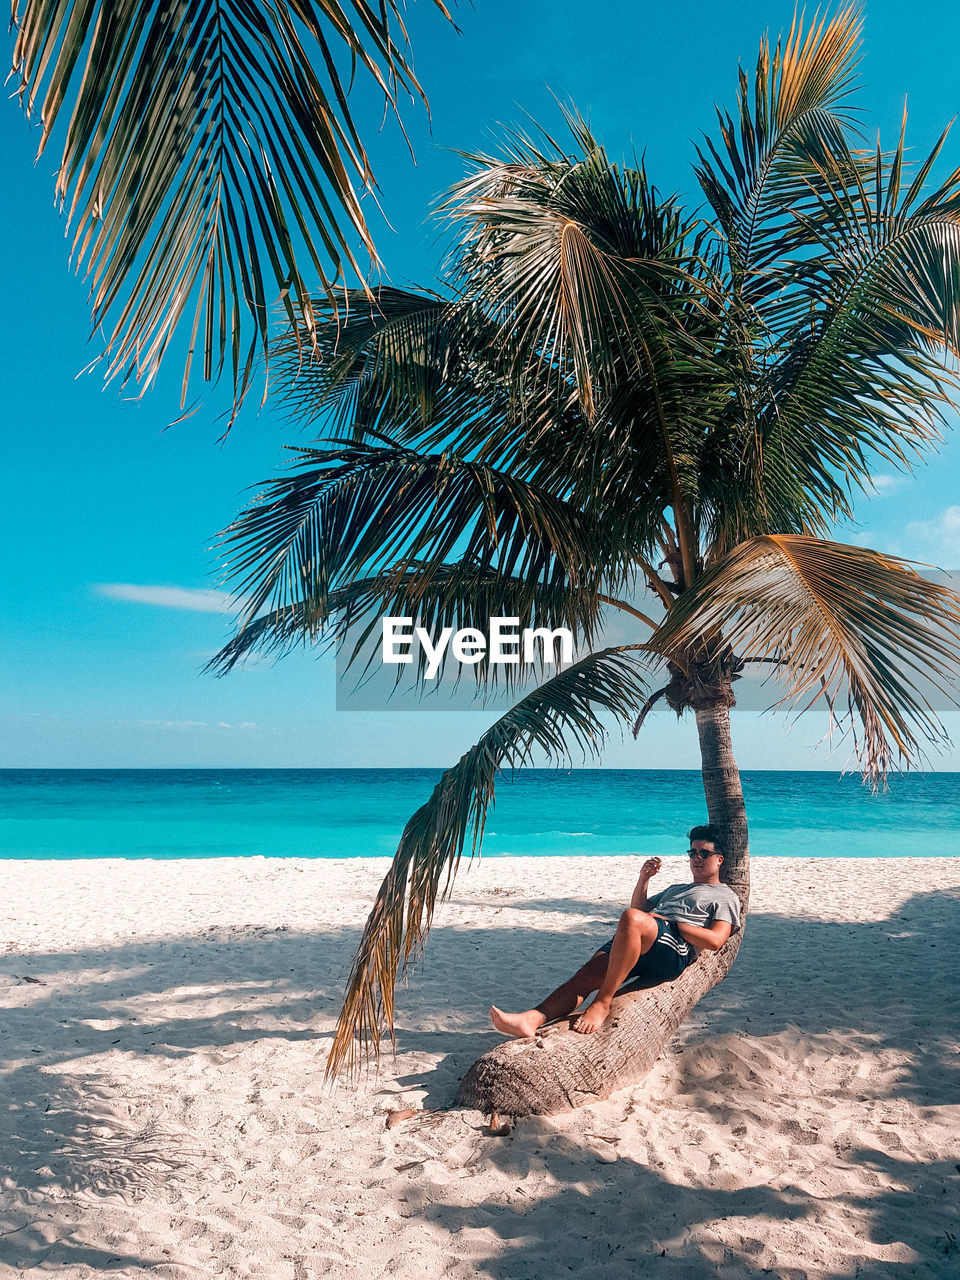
x: 193, y: 724
x: 883, y: 484
x: 173, y: 724
x: 858, y: 537
x: 873, y: 539
x: 938, y: 538
x: 199, y: 601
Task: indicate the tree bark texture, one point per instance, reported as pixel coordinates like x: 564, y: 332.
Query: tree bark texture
x: 559, y: 1069
x: 724, y: 795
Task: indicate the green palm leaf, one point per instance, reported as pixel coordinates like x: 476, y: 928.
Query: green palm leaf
x: 845, y: 342
x: 868, y: 362
x: 356, y: 509
x: 380, y: 360
x: 207, y: 161
x: 591, y: 274
x: 564, y: 712
x: 790, y: 124
x: 424, y: 370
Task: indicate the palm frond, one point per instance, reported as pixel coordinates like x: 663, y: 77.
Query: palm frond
x: 789, y: 125
x: 206, y: 160
x: 860, y: 630
x: 358, y: 509
x: 440, y: 374
x: 379, y: 358
x: 564, y: 712
x: 856, y: 361
x: 425, y: 370
x: 599, y: 285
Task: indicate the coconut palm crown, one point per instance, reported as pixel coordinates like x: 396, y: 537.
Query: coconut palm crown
x: 611, y: 392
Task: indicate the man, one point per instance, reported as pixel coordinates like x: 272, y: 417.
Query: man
x: 656, y: 939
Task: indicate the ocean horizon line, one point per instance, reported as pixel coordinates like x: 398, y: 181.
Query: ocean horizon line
x: 441, y: 768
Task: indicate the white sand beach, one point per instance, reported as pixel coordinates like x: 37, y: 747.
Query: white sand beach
x: 163, y: 1111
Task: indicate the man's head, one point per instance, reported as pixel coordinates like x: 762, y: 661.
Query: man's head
x: 706, y: 854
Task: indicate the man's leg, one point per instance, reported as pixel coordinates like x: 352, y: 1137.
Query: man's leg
x: 636, y: 934
x: 558, y: 1004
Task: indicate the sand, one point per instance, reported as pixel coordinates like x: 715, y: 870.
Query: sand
x: 163, y: 1112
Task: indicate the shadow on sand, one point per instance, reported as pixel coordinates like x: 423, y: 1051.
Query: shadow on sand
x: 58, y: 1117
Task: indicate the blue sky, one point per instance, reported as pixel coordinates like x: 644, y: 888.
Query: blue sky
x: 108, y: 608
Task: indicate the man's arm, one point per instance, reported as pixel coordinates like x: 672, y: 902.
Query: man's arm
x: 638, y: 899
x: 711, y: 938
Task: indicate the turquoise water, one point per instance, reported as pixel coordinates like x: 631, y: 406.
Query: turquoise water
x: 349, y: 813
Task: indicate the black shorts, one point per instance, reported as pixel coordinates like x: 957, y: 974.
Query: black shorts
x: 666, y: 959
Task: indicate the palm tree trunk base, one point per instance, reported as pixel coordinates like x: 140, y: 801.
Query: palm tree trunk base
x: 560, y: 1069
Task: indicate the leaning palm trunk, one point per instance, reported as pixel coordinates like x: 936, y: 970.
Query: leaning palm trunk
x: 559, y: 1069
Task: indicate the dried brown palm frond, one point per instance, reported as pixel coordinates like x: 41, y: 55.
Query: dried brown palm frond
x: 860, y: 630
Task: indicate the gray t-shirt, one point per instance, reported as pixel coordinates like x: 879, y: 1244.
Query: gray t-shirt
x: 699, y: 904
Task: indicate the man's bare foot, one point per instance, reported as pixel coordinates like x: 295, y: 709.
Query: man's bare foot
x: 527, y: 1023
x: 594, y: 1018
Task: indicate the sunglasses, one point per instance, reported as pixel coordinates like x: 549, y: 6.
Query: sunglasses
x: 702, y: 853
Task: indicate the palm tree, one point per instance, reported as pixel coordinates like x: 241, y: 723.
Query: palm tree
x: 207, y: 162
x: 611, y: 393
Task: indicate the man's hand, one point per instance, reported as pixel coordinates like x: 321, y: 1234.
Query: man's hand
x: 649, y: 869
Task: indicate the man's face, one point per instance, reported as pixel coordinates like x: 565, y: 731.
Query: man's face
x: 705, y: 862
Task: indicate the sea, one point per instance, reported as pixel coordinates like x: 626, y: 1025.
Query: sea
x: 360, y: 813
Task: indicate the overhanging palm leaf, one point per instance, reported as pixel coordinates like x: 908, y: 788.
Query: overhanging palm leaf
x: 562, y: 713
x: 206, y: 159
x: 842, y: 623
